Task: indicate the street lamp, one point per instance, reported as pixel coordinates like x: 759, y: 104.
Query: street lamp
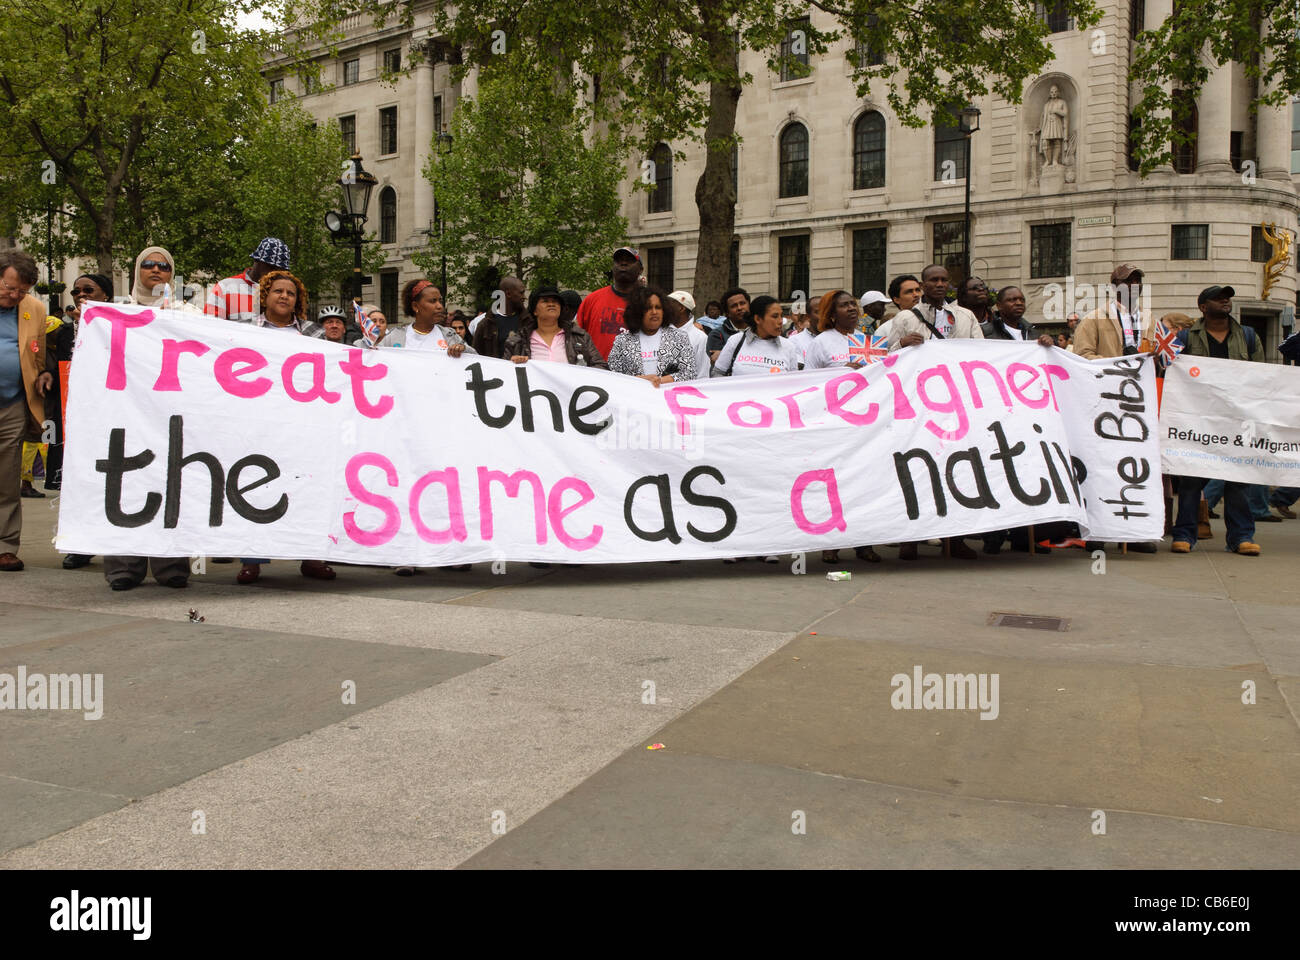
x: 444, y: 148
x: 970, y: 122
x: 348, y: 227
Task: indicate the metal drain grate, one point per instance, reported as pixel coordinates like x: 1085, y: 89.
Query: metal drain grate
x: 1028, y: 621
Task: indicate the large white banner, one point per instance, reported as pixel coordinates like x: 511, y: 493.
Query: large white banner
x: 1231, y: 420
x: 197, y: 437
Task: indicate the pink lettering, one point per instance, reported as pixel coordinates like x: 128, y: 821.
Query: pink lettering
x: 902, y: 409
x: 835, y: 401
x: 952, y: 404
x: 121, y: 323
x: 801, y: 483
x: 1052, y: 370
x: 968, y: 367
x: 764, y: 414
x: 229, y: 378
x: 392, y: 519
x: 796, y: 421
x: 317, y: 389
x: 450, y: 480
x: 168, y: 380
x: 511, y: 483
x: 681, y: 412
x: 355, y: 367
x: 1019, y: 388
x: 558, y: 512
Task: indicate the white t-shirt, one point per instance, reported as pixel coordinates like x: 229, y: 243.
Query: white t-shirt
x: 1013, y: 331
x: 943, y: 322
x: 802, y: 341
x: 744, y: 355
x: 435, y: 339
x: 884, y: 328
x: 700, y: 344
x: 829, y: 349
x: 1131, y: 325
x: 649, y: 343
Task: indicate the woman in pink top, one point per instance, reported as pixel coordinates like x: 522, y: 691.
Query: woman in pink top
x: 549, y: 333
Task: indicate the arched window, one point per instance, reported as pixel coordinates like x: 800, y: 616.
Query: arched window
x: 869, y: 151
x: 949, y: 146
x: 388, y: 215
x: 661, y: 197
x: 1185, y: 121
x: 794, y: 161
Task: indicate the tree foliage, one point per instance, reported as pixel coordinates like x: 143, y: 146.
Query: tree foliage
x: 524, y: 187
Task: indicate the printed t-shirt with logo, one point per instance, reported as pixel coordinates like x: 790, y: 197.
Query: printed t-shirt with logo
x: 601, y: 315
x: 649, y: 345
x: 830, y: 349
x: 745, y: 355
x: 435, y: 339
x: 803, y: 340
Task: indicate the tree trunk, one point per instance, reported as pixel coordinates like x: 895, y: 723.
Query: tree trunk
x: 104, y: 244
x: 714, y: 196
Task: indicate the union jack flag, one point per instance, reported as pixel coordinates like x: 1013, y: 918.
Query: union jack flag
x: 1167, y: 345
x: 369, y: 329
x: 868, y: 350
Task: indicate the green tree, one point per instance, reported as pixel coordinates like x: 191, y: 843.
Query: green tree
x: 670, y: 71
x: 521, y: 188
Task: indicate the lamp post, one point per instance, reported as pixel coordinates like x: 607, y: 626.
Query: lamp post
x: 970, y: 122
x: 348, y: 227
x: 444, y: 147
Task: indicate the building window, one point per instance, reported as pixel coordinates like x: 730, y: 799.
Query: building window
x: 1295, y: 137
x: 659, y: 267
x: 1184, y: 120
x: 1234, y: 149
x: 437, y: 115
x: 277, y: 90
x: 310, y: 82
x: 1261, y: 251
x: 661, y: 197
x: 388, y: 295
x: 388, y: 130
x: 949, y: 147
x: 792, y: 265
x: 348, y: 128
x: 868, y: 260
x: 1137, y: 17
x: 870, y: 50
x: 1049, y: 250
x: 1191, y: 241
x: 388, y: 215
x: 393, y: 60
x: 1055, y: 16
x: 869, y: 151
x: 794, y: 50
x: 1130, y: 147
x: 950, y: 248
x: 351, y: 72
x: 794, y: 161
x: 733, y: 266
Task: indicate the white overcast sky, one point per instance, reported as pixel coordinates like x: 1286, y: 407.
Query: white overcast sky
x: 253, y: 21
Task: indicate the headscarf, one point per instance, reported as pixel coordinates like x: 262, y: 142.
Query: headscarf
x: 101, y: 281
x: 147, y: 298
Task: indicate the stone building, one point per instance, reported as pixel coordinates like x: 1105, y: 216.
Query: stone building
x: 834, y: 192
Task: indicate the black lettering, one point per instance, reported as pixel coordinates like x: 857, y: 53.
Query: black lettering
x: 983, y: 495
x: 1057, y: 484
x: 176, y: 463
x: 1119, y: 426
x: 113, y: 467
x: 903, y: 468
x: 1007, y: 454
x: 717, y: 503
x: 1128, y: 470
x: 480, y: 386
x: 235, y: 493
x: 576, y: 413
x: 669, y: 529
x: 1071, y: 473
x: 526, y: 403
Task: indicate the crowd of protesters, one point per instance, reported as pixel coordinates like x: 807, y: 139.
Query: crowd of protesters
x: 629, y: 327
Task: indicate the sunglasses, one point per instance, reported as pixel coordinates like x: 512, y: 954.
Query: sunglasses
x: 88, y: 291
x: 156, y: 265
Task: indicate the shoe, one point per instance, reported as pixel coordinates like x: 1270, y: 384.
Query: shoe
x: 75, y: 560
x: 1214, y: 516
x: 539, y: 565
x: 731, y: 559
x: 867, y: 554
x: 959, y: 549
x: 1091, y: 545
x: 830, y: 556
x: 772, y: 559
x: 1181, y: 546
x: 249, y: 573
x: 460, y: 567
x: 10, y: 563
x: 1285, y: 511
x: 123, y: 583
x: 907, y: 551
x: 1143, y: 547
x: 992, y: 547
x: 1268, y: 518
x: 317, y: 570
x: 53, y: 485
x: 30, y: 491
x: 177, y: 583
x: 1203, y: 531
x: 1248, y: 549
x: 405, y: 571
x: 222, y: 559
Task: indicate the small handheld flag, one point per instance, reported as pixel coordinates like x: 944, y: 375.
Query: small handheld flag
x: 867, y: 349
x: 369, y: 328
x: 1167, y: 345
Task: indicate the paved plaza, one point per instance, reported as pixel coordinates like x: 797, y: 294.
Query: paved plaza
x: 502, y: 720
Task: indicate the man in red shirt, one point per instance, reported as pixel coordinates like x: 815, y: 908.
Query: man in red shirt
x: 601, y: 313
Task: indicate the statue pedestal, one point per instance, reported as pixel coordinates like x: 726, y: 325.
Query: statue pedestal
x: 1051, y: 179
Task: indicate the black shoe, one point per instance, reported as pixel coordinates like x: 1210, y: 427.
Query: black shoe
x: 123, y: 583
x: 1144, y: 547
x: 75, y: 560
x: 404, y: 571
x: 54, y: 485
x: 1214, y: 516
x: 1268, y: 518
x: 222, y: 559
x: 30, y: 491
x: 176, y: 582
x: 1092, y: 545
x: 539, y: 565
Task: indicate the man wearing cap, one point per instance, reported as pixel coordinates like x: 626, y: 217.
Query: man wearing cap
x: 873, y: 309
x: 601, y: 313
x: 1119, y: 327
x: 1216, y: 334
x: 236, y: 298
x: 331, y: 321
x: 685, y: 321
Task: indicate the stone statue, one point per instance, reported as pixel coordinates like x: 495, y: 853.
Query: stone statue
x: 1053, y: 127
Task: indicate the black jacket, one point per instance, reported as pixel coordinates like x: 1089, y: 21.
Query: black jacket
x: 577, y: 343
x: 993, y: 329
x: 719, y: 337
x: 487, y: 339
